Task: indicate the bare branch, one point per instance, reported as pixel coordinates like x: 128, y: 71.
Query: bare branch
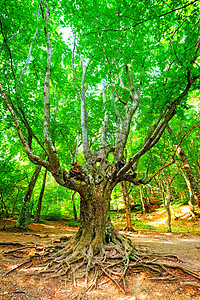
x: 73, y: 69
x: 115, y: 107
x: 30, y: 49
x: 81, y: 96
x: 105, y: 121
x: 53, y: 157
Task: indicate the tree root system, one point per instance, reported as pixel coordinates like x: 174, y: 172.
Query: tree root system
x: 80, y: 259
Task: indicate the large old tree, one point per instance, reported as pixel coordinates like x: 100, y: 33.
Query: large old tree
x: 127, y: 64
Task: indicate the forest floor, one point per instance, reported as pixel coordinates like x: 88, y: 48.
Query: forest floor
x: 18, y: 284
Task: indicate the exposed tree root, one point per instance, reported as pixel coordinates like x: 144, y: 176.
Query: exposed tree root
x: 83, y: 257
x: 19, y: 266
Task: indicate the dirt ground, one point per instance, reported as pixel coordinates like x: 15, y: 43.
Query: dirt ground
x: 19, y: 284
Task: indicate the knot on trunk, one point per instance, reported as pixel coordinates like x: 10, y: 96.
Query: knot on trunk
x: 76, y: 171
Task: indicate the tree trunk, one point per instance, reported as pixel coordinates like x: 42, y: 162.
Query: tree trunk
x: 23, y: 216
x: 127, y: 206
x: 95, y: 223
x: 74, y: 206
x: 39, y: 205
x: 4, y: 208
x: 190, y: 175
x: 166, y: 201
x: 143, y: 200
x: 191, y: 201
x: 96, y: 230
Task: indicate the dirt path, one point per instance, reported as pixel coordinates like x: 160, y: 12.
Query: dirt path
x: 20, y: 285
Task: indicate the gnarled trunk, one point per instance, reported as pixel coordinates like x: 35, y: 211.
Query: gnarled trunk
x: 95, y: 224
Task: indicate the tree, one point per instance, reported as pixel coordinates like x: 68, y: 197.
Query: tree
x: 190, y: 175
x: 23, y: 216
x: 131, y: 59
x: 39, y: 204
x: 127, y: 206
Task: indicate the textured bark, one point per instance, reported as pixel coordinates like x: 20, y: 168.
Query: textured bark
x: 190, y: 175
x: 95, y: 223
x: 23, y: 216
x: 39, y: 205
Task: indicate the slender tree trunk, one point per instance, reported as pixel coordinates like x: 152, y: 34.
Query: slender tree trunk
x: 23, y: 216
x: 143, y: 200
x: 15, y: 200
x: 190, y: 175
x: 39, y: 205
x: 127, y: 206
x: 74, y: 206
x: 166, y: 199
x: 4, y: 208
x: 191, y: 201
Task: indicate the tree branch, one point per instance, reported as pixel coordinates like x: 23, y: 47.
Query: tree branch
x: 105, y: 121
x: 81, y: 96
x: 53, y: 157
x: 34, y: 158
x: 30, y: 49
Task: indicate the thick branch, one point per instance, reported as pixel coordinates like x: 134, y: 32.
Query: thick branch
x: 129, y: 111
x: 53, y: 157
x: 81, y: 96
x: 157, y: 129
x: 105, y: 121
x: 115, y: 107
x: 34, y: 158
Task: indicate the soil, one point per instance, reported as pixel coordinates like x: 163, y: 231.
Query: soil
x: 20, y: 284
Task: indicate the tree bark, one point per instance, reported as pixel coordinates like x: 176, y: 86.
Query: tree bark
x: 95, y: 224
x: 190, y: 175
x: 23, y: 216
x: 39, y: 205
